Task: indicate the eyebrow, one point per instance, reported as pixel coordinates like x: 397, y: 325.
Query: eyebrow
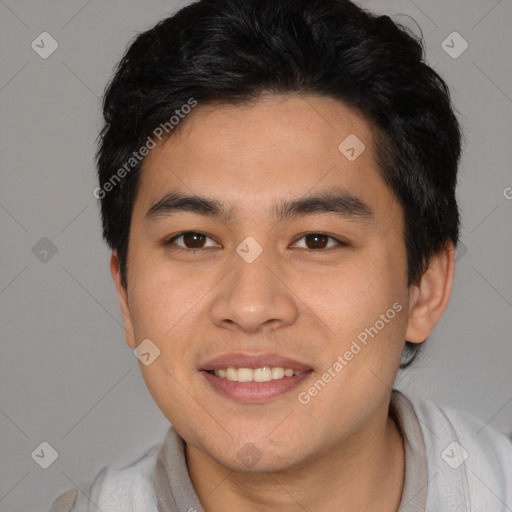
x: 329, y: 201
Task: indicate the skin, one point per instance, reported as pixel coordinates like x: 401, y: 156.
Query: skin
x: 301, y: 302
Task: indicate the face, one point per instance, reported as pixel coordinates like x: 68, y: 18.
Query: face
x: 297, y: 262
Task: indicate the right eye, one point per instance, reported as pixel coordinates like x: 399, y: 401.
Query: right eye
x: 192, y: 241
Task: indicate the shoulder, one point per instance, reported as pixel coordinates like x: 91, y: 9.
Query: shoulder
x: 115, y: 488
x: 469, y: 463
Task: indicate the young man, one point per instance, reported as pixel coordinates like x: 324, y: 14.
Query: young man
x: 277, y: 185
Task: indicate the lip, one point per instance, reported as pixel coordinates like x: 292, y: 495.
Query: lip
x: 241, y: 360
x: 255, y: 392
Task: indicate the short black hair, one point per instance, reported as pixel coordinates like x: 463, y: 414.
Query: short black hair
x: 233, y: 51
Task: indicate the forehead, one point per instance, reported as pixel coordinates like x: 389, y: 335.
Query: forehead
x: 255, y: 153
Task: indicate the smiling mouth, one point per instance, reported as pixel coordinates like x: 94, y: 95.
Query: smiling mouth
x: 255, y: 385
x: 254, y: 378
x: 263, y: 374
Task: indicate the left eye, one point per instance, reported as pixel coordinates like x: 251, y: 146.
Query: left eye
x: 315, y: 241
x: 194, y: 240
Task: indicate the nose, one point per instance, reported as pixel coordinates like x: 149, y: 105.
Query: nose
x: 254, y: 297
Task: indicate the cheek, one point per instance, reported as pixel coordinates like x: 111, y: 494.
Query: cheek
x: 168, y: 307
x: 364, y: 303
x: 354, y: 297
x: 161, y: 296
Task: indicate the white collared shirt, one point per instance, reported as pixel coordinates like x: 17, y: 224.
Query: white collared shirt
x: 453, y: 463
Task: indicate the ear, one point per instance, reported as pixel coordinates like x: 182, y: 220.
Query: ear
x: 122, y: 296
x: 428, y: 299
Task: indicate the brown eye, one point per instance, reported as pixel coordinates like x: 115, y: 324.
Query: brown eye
x: 318, y: 241
x: 192, y: 240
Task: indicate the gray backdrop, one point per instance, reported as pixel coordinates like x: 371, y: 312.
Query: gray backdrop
x: 68, y: 378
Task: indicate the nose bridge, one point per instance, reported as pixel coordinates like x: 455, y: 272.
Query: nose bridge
x: 253, y: 279
x: 252, y: 293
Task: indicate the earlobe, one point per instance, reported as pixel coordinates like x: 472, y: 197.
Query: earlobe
x: 122, y: 296
x: 429, y: 298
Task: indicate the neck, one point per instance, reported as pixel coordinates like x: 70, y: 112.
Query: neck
x: 365, y: 472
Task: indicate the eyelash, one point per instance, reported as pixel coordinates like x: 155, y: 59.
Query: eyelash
x: 169, y: 242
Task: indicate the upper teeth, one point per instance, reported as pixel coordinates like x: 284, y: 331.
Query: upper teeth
x: 263, y: 374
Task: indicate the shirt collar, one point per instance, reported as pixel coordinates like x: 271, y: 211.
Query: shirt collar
x: 174, y: 491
